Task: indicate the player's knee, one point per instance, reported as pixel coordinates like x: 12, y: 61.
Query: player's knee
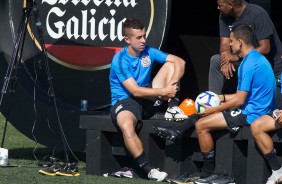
x: 169, y: 65
x: 128, y: 133
x: 215, y: 61
x: 256, y: 127
x: 200, y: 127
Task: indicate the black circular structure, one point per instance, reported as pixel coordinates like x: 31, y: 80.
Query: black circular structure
x: 80, y: 38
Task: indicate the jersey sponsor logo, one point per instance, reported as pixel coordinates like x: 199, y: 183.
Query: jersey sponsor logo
x: 145, y: 61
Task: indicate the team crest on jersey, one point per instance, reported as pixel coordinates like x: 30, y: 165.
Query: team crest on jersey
x: 145, y: 61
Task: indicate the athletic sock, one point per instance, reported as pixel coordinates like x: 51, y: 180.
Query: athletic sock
x: 174, y: 101
x: 186, y: 124
x: 209, y: 162
x: 273, y: 160
x: 143, y: 162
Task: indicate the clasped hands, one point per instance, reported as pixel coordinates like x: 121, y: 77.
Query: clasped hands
x: 227, y: 67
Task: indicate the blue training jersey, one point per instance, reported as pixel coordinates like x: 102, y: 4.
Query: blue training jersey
x: 256, y: 76
x: 125, y: 66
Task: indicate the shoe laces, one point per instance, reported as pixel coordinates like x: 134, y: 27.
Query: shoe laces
x: 176, y: 109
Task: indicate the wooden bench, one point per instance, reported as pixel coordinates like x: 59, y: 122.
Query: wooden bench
x: 237, y: 154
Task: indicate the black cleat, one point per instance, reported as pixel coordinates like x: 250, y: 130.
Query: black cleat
x: 167, y: 133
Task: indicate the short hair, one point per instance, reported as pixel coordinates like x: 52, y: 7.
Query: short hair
x: 234, y: 1
x: 132, y: 23
x: 243, y: 32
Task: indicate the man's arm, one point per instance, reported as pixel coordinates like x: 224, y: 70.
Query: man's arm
x: 264, y: 46
x: 165, y: 83
x: 227, y: 58
x: 232, y: 100
x: 137, y: 91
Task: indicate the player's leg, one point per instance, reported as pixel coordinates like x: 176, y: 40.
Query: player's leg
x: 216, y: 78
x: 162, y: 78
x: 127, y: 114
x: 205, y: 126
x: 127, y: 123
x: 260, y: 129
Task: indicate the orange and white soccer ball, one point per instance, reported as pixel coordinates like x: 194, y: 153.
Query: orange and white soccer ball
x: 188, y: 107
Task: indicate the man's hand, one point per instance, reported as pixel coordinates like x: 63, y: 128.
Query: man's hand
x: 227, y: 70
x: 170, y: 90
x: 227, y: 57
x: 208, y: 110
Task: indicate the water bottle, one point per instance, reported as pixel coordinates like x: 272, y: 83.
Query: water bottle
x: 83, y: 105
x: 3, y: 157
x: 275, y: 113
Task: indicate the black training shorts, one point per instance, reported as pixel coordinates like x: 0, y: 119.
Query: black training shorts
x: 140, y: 107
x: 235, y: 119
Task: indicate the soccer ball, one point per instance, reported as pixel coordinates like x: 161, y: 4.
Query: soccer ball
x: 188, y: 107
x: 208, y: 98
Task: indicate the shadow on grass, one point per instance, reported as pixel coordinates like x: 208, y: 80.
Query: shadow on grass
x: 43, y: 153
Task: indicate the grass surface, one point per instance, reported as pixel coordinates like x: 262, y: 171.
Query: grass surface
x: 22, y: 154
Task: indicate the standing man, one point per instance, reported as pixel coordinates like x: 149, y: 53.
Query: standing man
x: 223, y: 66
x: 135, y: 96
x: 255, y: 96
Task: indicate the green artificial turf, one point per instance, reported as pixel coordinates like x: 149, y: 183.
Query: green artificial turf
x: 24, y: 154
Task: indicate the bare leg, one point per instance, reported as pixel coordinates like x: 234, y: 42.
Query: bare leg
x: 260, y: 129
x: 127, y: 122
x: 205, y: 126
x: 163, y: 76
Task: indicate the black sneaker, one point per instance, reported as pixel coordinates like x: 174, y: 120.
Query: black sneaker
x: 223, y: 179
x: 70, y: 169
x: 208, y: 179
x: 167, y: 133
x: 185, y: 178
x: 51, y: 170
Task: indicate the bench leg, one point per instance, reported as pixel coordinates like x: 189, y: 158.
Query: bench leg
x: 231, y: 158
x: 257, y: 171
x: 93, y: 153
x: 172, y: 162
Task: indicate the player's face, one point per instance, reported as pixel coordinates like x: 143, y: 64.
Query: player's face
x: 224, y: 8
x: 136, y: 41
x: 235, y: 44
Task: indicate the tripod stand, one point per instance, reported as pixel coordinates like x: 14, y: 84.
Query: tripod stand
x: 10, y: 80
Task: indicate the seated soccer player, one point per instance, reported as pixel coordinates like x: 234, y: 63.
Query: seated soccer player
x: 135, y: 96
x: 260, y: 129
x: 255, y: 96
